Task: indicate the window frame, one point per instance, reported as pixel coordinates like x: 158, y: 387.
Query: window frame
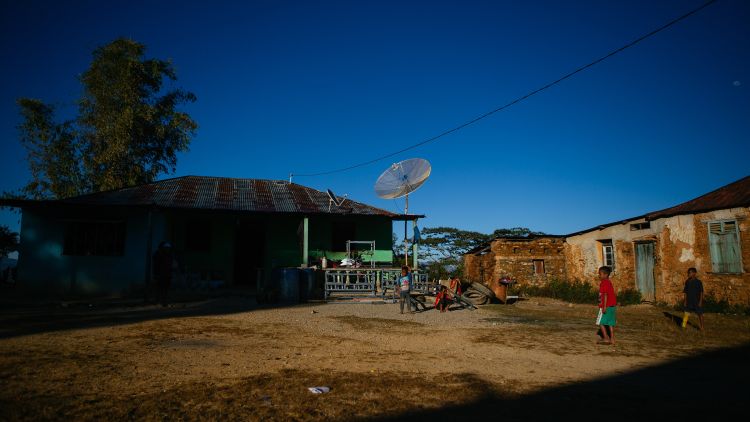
x: 644, y: 225
x: 603, y: 246
x: 534, y: 263
x: 716, y: 267
x: 94, y: 237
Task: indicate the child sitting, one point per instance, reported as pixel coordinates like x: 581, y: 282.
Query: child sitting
x: 442, y: 299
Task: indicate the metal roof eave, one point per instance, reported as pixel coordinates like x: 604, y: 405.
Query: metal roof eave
x: 46, y: 203
x: 407, y: 217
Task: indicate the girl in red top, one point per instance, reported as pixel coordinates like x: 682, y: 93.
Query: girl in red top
x: 441, y: 301
x: 607, y: 307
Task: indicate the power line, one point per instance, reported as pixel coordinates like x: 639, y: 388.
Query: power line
x: 517, y: 100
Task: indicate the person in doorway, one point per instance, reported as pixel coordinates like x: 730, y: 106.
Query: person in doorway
x: 162, y: 265
x: 607, y: 307
x: 404, y: 288
x: 693, y: 301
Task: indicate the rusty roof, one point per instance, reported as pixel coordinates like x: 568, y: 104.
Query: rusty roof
x: 222, y: 193
x: 733, y: 195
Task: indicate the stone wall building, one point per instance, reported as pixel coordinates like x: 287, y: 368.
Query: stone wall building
x: 529, y: 260
x: 650, y: 253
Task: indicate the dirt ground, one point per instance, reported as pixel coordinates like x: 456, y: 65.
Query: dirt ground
x: 230, y: 359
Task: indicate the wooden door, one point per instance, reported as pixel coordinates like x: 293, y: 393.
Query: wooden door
x: 644, y: 270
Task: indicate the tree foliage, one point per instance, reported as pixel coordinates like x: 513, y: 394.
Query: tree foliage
x: 128, y: 130
x: 514, y: 232
x: 448, y: 242
x: 8, y: 241
x: 52, y: 152
x: 443, y: 248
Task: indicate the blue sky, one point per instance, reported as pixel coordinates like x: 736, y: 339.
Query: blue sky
x: 312, y: 86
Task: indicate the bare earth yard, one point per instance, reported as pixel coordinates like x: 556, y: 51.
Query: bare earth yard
x: 229, y: 359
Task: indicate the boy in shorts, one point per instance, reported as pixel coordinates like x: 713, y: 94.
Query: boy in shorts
x: 693, y: 298
x: 607, y: 307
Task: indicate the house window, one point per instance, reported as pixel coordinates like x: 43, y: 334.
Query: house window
x: 198, y: 236
x: 342, y: 231
x: 640, y: 226
x: 538, y: 267
x: 94, y: 238
x: 724, y: 242
x: 608, y: 253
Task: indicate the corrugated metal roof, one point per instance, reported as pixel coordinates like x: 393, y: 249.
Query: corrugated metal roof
x: 733, y: 195
x: 221, y: 193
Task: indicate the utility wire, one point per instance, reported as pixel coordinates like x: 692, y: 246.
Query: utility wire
x: 517, y: 100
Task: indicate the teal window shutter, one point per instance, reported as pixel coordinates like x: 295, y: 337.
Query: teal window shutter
x: 724, y: 244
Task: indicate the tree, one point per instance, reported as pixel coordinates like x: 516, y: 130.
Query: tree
x: 444, y: 247
x: 448, y: 242
x: 8, y: 241
x: 127, y: 131
x: 515, y: 232
x: 52, y: 153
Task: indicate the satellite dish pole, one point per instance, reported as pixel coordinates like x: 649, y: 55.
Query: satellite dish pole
x: 400, y: 180
x: 406, y: 239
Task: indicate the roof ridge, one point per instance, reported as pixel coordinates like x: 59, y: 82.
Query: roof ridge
x: 724, y: 187
x: 665, y: 212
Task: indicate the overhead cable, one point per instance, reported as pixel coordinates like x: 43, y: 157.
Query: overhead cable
x: 517, y: 100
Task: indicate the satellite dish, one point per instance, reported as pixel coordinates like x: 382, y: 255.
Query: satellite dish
x: 332, y: 199
x: 402, y: 178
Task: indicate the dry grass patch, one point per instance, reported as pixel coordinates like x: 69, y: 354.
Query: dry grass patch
x: 360, y: 323
x: 280, y: 396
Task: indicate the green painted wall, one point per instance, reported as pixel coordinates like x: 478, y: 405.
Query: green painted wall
x: 216, y: 263
x: 378, y: 229
x: 44, y: 270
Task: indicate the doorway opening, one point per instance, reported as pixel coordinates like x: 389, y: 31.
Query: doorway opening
x: 249, y: 254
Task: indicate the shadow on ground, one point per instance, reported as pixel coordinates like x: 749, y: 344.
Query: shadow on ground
x: 26, y: 320
x: 704, y: 387
x: 677, y: 320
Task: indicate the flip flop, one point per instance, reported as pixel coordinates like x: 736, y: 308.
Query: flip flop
x: 607, y: 343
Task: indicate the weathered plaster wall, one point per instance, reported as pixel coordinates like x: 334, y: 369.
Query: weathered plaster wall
x: 583, y: 254
x: 479, y: 268
x: 680, y: 242
x: 686, y: 245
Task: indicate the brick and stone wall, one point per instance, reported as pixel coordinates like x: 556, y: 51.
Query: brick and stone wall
x: 515, y: 258
x: 680, y: 242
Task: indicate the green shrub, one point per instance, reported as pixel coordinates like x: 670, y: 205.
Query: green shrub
x: 629, y: 297
x: 712, y: 304
x: 721, y: 306
x: 577, y: 292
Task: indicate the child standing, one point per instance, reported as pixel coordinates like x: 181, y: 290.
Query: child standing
x: 693, y: 298
x: 404, y: 287
x: 455, y: 285
x: 607, y: 307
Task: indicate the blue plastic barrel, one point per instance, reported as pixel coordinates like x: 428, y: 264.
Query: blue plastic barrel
x: 306, y: 284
